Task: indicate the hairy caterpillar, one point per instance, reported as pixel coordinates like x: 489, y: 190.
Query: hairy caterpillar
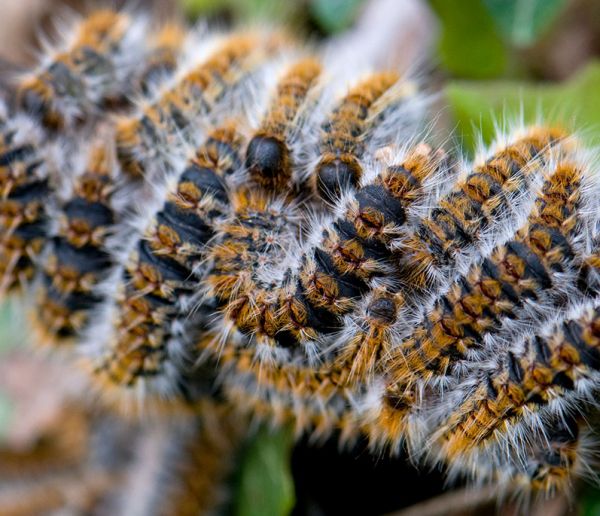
x: 269, y: 157
x: 159, y: 273
x: 149, y: 136
x: 514, y: 283
x: 165, y: 49
x: 24, y: 184
x: 295, y: 358
x: 462, y: 218
x: 543, y: 373
x: 76, y: 257
x: 346, y: 130
x: 89, y: 72
x: 258, y: 236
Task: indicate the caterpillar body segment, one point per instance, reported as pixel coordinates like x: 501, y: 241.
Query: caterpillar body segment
x: 162, y: 57
x: 272, y: 154
x: 76, y: 259
x: 345, y: 133
x: 307, y: 298
x: 514, y: 286
x: 24, y: 192
x: 92, y: 71
x: 479, y: 201
x: 545, y: 373
x: 183, y: 466
x: 181, y: 111
x: 541, y: 467
x: 154, y: 318
x: 319, y: 398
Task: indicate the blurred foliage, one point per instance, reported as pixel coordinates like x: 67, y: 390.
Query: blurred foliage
x: 590, y: 502
x: 522, y: 21
x: 265, y: 484
x: 480, y: 55
x: 328, y: 16
x: 334, y: 15
x: 243, y: 10
x: 476, y: 105
x: 7, y: 341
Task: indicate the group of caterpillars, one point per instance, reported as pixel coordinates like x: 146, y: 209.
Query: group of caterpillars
x: 231, y: 219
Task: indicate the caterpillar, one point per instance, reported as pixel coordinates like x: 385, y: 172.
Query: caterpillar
x: 543, y: 371
x: 253, y: 238
x: 76, y: 258
x: 75, y: 464
x: 281, y: 363
x: 150, y: 134
x: 516, y: 282
x: 157, y: 283
x: 543, y: 467
x: 24, y: 187
x: 341, y: 257
x: 163, y: 55
x: 479, y: 199
x: 270, y: 154
x: 183, y: 466
x: 346, y: 130
x: 87, y: 73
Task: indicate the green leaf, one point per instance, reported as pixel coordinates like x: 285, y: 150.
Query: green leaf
x: 589, y: 504
x: 469, y: 46
x: 574, y: 104
x: 522, y: 21
x: 6, y: 412
x: 265, y: 481
x: 334, y: 15
x: 8, y: 330
x: 7, y: 340
x: 196, y: 8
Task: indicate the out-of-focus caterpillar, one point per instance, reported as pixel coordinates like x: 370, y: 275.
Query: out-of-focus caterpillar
x: 87, y: 73
x: 145, y: 337
x: 24, y: 193
x: 74, y: 465
x: 178, y: 114
x: 77, y: 259
x: 162, y: 58
x: 184, y: 466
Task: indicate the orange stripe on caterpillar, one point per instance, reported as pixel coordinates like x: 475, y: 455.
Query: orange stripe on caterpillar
x: 493, y: 291
x: 460, y: 218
